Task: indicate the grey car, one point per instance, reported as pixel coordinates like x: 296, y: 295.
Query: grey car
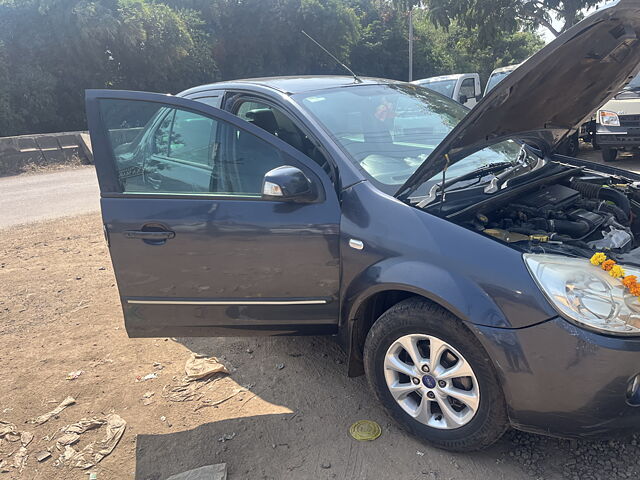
x: 480, y: 280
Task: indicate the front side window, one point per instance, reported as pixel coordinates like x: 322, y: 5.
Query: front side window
x: 163, y: 150
x: 390, y: 130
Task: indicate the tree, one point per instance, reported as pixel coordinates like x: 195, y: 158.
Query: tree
x: 490, y: 17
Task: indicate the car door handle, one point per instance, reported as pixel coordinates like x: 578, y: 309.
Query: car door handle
x: 145, y: 235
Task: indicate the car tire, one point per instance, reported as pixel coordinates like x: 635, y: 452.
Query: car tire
x: 570, y: 147
x: 430, y: 324
x: 609, y: 154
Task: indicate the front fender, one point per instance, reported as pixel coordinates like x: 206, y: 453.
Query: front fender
x: 462, y: 297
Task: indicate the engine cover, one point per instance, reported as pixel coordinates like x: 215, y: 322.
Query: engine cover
x: 552, y: 197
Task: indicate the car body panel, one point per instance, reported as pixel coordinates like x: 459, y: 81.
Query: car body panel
x: 597, y: 57
x: 210, y: 277
x: 408, y: 249
x: 562, y: 380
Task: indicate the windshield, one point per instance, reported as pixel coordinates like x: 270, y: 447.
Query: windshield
x: 495, y: 79
x: 390, y: 130
x: 445, y: 87
x: 635, y: 83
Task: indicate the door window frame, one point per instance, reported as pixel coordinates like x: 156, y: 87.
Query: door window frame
x: 108, y: 175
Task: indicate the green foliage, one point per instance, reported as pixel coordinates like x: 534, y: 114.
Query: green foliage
x: 52, y: 50
x: 491, y: 18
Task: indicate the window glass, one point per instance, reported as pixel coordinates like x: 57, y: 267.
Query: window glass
x: 468, y: 88
x: 390, y: 130
x: 211, y: 101
x: 278, y: 123
x: 496, y: 78
x: 157, y: 149
x: 192, y: 137
x: 445, y: 87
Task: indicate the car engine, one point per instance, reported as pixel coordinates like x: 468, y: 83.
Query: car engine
x: 583, y: 215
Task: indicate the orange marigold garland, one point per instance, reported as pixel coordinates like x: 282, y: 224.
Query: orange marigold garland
x: 616, y: 271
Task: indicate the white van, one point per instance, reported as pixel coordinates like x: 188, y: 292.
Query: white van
x: 462, y: 87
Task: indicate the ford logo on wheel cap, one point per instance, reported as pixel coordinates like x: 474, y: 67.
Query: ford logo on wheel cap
x: 429, y: 381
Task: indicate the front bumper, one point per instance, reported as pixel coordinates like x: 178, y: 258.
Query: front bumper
x: 623, y: 137
x: 562, y: 380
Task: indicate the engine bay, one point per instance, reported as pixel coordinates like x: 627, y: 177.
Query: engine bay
x: 577, y: 215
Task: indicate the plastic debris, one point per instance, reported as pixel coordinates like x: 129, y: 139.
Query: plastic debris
x: 419, y: 453
x: 208, y: 472
x: 42, y: 456
x: 149, y: 376
x: 20, y: 458
x: 9, y: 431
x: 365, y: 430
x: 93, y: 476
x: 146, y: 398
x: 45, y: 417
x: 226, y: 437
x: 94, y: 452
x: 74, y: 375
x: 279, y: 366
x: 84, y: 425
x: 199, y: 367
x: 26, y: 438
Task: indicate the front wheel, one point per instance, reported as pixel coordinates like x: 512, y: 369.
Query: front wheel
x: 609, y: 154
x: 434, y: 378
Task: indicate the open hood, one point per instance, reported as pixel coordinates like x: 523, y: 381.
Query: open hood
x: 551, y: 94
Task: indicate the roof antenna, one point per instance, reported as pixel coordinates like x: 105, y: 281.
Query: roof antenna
x: 355, y: 77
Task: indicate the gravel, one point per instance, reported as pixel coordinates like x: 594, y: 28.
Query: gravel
x: 544, y: 457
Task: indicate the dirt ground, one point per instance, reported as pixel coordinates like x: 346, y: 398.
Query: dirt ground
x: 59, y: 313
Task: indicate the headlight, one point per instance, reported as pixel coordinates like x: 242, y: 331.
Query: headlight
x: 587, y: 294
x: 609, y: 119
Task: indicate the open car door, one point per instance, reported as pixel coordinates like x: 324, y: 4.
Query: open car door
x: 196, y: 248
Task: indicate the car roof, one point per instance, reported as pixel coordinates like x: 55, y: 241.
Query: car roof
x: 293, y: 84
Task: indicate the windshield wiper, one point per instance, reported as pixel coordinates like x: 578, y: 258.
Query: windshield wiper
x: 440, y: 188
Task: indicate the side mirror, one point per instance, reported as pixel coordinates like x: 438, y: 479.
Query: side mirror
x: 288, y: 184
x: 463, y: 99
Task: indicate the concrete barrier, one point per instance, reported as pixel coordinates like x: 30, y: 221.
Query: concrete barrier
x: 19, y: 154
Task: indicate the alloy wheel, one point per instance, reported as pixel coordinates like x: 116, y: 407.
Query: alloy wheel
x: 431, y: 381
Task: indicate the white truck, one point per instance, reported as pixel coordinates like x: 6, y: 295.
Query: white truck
x: 618, y: 122
x: 462, y: 87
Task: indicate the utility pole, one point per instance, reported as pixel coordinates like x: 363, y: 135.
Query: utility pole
x: 411, y: 44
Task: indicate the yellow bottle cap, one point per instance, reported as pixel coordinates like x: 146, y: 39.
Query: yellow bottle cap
x: 365, y: 430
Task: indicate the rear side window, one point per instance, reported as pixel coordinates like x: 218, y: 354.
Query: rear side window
x: 162, y: 150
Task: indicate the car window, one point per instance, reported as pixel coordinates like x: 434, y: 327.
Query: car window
x: 468, y: 88
x: 496, y: 78
x: 279, y: 124
x: 390, y: 130
x: 445, y: 87
x: 183, y: 152
x: 212, y: 101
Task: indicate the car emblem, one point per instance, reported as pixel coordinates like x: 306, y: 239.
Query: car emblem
x: 429, y: 381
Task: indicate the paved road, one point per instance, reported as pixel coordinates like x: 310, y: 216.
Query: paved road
x: 45, y: 196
